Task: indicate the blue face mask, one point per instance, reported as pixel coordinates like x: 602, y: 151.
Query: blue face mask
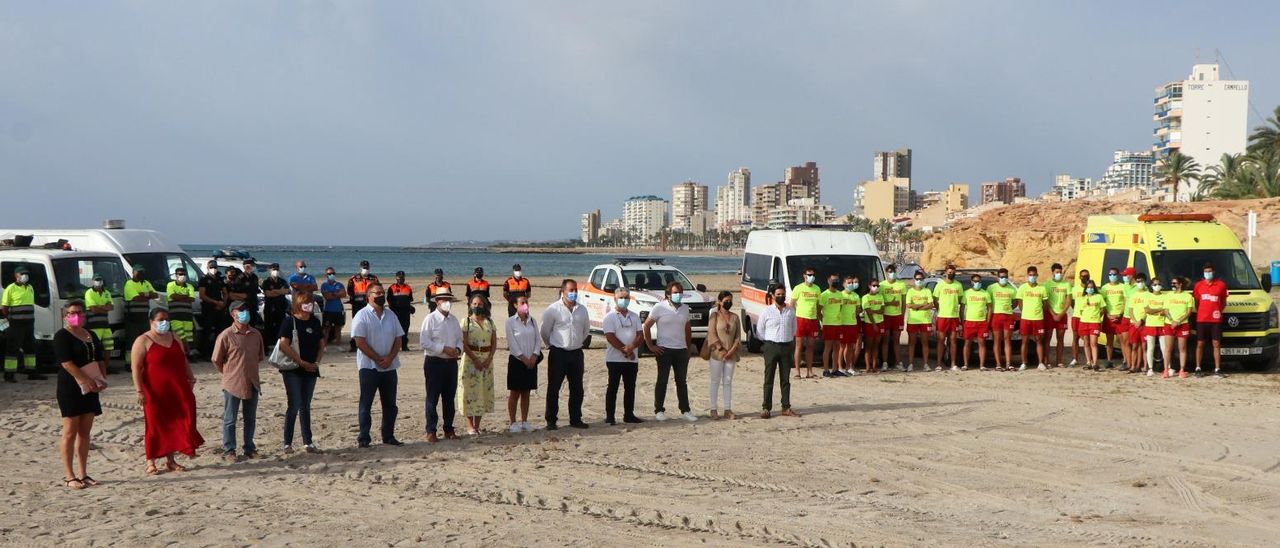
x: 1057, y: 276
x: 623, y: 303
x: 329, y: 276
x: 1004, y: 280
x: 242, y: 316
x: 162, y: 326
x: 849, y: 287
x: 1112, y: 278
x: 572, y: 296
x: 808, y: 279
x: 977, y: 285
x: 1208, y: 275
x: 676, y: 297
x: 1088, y: 290
x: 1031, y: 279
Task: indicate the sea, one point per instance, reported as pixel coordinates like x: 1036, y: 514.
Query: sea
x: 457, y: 264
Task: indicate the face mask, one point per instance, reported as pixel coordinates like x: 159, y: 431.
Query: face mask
x: 808, y: 279
x: 726, y: 305
x: 364, y: 272
x: 676, y: 297
x: 1126, y: 279
x: 445, y: 306
x: 1139, y: 284
x: 623, y: 303
x: 832, y: 284
x: 1208, y: 275
x: 308, y: 307
x: 380, y: 301
x: 1088, y: 290
x: 977, y: 285
x: 1057, y: 276
x: 875, y: 289
x: 302, y: 270
x: 1156, y: 288
x: 780, y: 301
x: 516, y: 273
x: 275, y: 273
x: 919, y: 282
x: 524, y: 309
x: 329, y: 277
x: 1004, y: 280
x: 478, y: 310
x: 97, y: 284
x: 23, y: 278
x: 1111, y: 278
x: 849, y: 287
x: 162, y: 326
x: 893, y: 275
x: 242, y: 316
x: 1031, y: 279
x: 180, y: 279
x: 211, y: 271
x: 572, y: 296
x: 951, y: 276
x: 75, y: 320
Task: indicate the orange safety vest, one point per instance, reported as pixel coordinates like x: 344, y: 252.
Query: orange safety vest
x: 517, y: 288
x: 432, y: 287
x: 474, y: 285
x: 360, y: 287
x: 401, y: 289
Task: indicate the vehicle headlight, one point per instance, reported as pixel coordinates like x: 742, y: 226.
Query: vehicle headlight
x: 1273, y: 317
x: 645, y: 315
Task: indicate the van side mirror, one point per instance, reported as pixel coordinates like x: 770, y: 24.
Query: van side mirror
x: 1266, y: 282
x: 610, y: 288
x: 701, y: 288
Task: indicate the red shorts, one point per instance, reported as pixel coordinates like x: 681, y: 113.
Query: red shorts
x: 849, y: 334
x: 833, y: 333
x: 919, y: 328
x: 1135, y: 334
x: 948, y: 325
x: 1031, y: 327
x: 806, y: 328
x: 1123, y: 325
x: 1083, y: 329
x: 1181, y: 331
x: 1052, y: 324
x: 1002, y: 322
x: 1075, y: 324
x: 893, y: 322
x: 873, y: 330
x: 975, y: 330
x: 1150, y: 331
x: 1110, y: 327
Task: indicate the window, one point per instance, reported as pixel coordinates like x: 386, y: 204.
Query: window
x: 75, y: 276
x: 39, y: 279
x: 160, y: 266
x: 612, y: 279
x: 654, y: 280
x: 1140, y: 263
x: 597, y: 277
x: 755, y: 271
x: 1118, y: 258
x: 1229, y: 265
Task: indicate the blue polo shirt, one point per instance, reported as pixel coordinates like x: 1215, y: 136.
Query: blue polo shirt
x: 334, y: 305
x: 301, y: 279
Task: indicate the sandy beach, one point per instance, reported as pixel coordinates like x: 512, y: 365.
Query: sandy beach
x: 972, y: 458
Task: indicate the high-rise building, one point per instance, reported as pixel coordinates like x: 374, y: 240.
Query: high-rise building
x: 1202, y: 117
x: 764, y: 199
x: 644, y: 216
x: 1129, y: 170
x: 956, y: 197
x: 884, y: 199
x: 1004, y: 192
x: 894, y: 164
x: 733, y: 200
x: 687, y: 198
x: 1068, y: 187
x: 800, y: 211
x: 805, y: 182
x: 590, y: 227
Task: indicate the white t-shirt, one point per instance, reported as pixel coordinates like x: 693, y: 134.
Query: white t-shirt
x: 668, y: 324
x: 627, y: 329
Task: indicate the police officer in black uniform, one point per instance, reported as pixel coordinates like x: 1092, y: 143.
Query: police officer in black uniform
x: 276, y: 290
x: 213, y: 307
x: 251, y: 278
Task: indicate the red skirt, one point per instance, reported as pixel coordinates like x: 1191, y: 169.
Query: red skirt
x: 169, y: 412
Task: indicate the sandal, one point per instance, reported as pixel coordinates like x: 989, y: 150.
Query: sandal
x: 152, y: 470
x: 73, y: 483
x: 175, y: 467
x: 88, y: 481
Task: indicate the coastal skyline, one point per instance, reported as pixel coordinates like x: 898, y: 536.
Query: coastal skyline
x: 183, y: 117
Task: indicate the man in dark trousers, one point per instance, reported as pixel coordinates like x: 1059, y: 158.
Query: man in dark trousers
x: 213, y: 307
x: 400, y: 301
x: 357, y: 290
x: 275, y: 289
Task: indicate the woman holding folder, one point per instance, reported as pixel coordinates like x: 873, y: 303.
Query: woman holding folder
x: 81, y: 378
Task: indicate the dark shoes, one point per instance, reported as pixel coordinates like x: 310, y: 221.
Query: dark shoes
x: 609, y: 421
x: 552, y: 426
x: 579, y: 425
x: 33, y: 376
x: 392, y: 441
x: 363, y: 445
x: 10, y: 377
x: 632, y: 420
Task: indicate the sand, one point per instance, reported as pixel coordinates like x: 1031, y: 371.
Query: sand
x: 1034, y: 458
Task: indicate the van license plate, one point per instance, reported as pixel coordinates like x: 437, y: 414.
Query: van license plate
x: 698, y: 316
x: 1235, y: 351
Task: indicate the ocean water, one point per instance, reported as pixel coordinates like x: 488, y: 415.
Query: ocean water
x: 457, y: 265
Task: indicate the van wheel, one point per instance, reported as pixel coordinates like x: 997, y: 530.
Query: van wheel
x: 754, y: 345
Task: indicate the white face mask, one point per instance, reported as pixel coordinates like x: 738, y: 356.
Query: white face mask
x: 212, y: 271
x: 275, y: 273
x: 308, y: 307
x: 445, y: 306
x: 364, y: 272
x: 97, y: 284
x: 517, y: 273
x: 23, y: 278
x: 181, y: 278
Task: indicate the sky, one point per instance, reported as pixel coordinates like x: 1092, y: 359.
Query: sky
x: 399, y: 123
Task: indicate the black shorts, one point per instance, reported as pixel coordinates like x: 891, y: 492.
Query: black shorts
x: 519, y: 377
x: 335, y: 319
x: 1209, y: 332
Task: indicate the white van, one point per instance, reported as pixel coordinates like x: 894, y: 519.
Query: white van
x: 647, y: 278
x: 781, y: 256
x: 58, y: 277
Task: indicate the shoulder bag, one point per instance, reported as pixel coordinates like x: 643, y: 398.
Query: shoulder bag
x: 281, y: 360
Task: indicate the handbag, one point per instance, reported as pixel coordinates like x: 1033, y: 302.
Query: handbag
x: 706, y: 344
x: 281, y: 360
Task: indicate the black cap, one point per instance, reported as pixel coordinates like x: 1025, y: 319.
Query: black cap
x: 274, y: 266
x: 439, y: 272
x: 180, y: 270
x: 97, y: 277
x: 20, y: 270
x: 210, y: 263
x: 249, y: 261
x: 515, y: 266
x: 364, y: 264
x: 480, y: 270
x: 400, y: 273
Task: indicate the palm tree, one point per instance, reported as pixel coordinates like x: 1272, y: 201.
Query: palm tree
x: 1266, y: 136
x: 1257, y: 176
x: 1177, y: 168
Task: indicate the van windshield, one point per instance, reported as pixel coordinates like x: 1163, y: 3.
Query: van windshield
x: 75, y: 275
x: 160, y: 266
x: 1229, y: 265
x: 654, y: 280
x: 866, y: 268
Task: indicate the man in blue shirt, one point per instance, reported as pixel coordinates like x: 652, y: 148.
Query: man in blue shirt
x: 334, y: 317
x: 300, y: 280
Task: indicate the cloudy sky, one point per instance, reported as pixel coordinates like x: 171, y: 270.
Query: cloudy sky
x: 406, y: 122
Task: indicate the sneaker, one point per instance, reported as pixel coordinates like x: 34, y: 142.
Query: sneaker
x: 526, y: 427
x: 10, y: 377
x: 1042, y: 367
x: 689, y: 416
x: 1182, y: 374
x: 1165, y: 375
x: 1022, y: 367
x: 229, y: 456
x: 910, y: 367
x: 660, y: 416
x: 311, y: 448
x: 288, y: 449
x: 515, y: 428
x: 1151, y: 373
x: 1073, y: 363
x: 826, y: 374
x: 1219, y: 374
x: 954, y: 368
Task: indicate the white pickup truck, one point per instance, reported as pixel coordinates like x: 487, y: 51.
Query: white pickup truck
x: 647, y: 278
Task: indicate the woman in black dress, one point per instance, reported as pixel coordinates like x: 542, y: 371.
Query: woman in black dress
x: 80, y: 380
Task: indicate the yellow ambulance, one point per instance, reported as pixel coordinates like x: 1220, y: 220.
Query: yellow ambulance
x: 1166, y: 245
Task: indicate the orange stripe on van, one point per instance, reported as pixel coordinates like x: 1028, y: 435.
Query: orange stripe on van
x: 752, y: 294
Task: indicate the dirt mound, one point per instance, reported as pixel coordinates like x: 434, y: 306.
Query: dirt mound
x: 1041, y: 234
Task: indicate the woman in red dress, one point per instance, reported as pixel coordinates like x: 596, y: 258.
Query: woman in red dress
x: 164, y: 380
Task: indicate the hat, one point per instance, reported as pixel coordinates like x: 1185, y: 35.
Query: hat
x: 139, y: 268
x: 515, y: 266
x: 274, y: 266
x: 364, y: 264
x: 211, y: 264
x: 238, y: 305
x: 480, y: 269
x: 97, y: 277
x: 439, y: 272
x: 249, y: 260
x: 399, y: 273
x: 1128, y: 271
x: 443, y: 293
x: 20, y: 270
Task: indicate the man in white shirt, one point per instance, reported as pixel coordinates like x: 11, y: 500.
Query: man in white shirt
x: 565, y: 328
x: 376, y: 333
x: 777, y: 328
x: 621, y: 356
x: 522, y: 365
x: 441, y: 340
x: 674, y: 337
